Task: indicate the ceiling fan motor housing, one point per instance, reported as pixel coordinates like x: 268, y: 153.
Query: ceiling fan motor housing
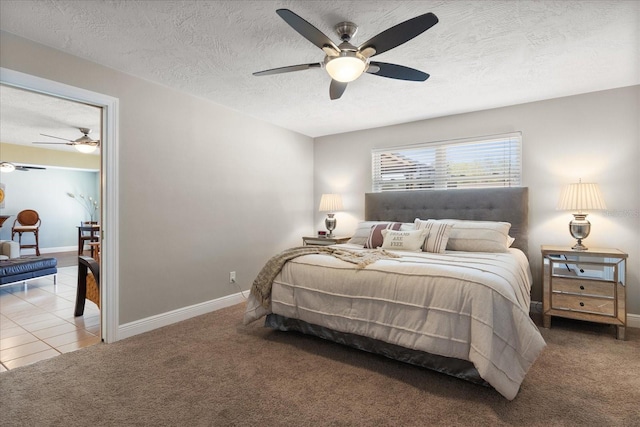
x: 346, y: 30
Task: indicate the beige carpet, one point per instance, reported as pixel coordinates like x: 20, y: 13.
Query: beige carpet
x: 213, y: 371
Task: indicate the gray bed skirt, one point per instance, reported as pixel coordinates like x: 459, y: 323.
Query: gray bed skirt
x: 455, y: 367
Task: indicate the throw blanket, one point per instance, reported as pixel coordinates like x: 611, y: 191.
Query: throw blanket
x: 261, y: 288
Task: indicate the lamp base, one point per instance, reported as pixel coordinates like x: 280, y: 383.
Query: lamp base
x: 330, y: 222
x: 579, y: 246
x: 579, y: 228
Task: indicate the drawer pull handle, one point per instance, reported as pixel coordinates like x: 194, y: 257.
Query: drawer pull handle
x: 582, y: 287
x: 581, y: 304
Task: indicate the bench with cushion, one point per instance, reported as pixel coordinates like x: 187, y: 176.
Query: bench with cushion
x: 27, y: 268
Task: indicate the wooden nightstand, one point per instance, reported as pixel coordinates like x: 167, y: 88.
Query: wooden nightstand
x: 324, y: 241
x: 585, y: 285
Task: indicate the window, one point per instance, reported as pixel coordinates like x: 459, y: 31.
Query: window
x: 492, y: 161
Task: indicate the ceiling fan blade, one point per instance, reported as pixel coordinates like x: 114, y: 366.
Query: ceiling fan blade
x: 336, y: 89
x: 307, y: 30
x: 394, y: 71
x: 401, y: 33
x: 28, y: 168
x: 57, y: 137
x: 287, y: 69
x: 54, y: 143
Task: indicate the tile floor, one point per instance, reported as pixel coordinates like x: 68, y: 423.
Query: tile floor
x: 37, y: 321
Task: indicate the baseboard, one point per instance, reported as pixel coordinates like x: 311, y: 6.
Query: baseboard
x: 49, y: 250
x: 154, y: 322
x: 633, y: 320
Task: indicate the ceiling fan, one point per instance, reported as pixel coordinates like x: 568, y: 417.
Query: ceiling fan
x: 10, y: 167
x: 84, y: 144
x: 345, y: 62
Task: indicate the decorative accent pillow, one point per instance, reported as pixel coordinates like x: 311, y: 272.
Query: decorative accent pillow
x: 478, y: 236
x: 375, y: 234
x: 403, y: 240
x: 363, y: 230
x: 438, y: 234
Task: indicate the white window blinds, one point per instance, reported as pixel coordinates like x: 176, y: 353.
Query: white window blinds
x: 492, y: 161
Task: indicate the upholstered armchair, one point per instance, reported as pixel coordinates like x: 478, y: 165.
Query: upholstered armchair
x: 9, y: 249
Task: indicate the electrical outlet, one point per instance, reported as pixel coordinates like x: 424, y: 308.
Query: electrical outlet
x: 232, y: 277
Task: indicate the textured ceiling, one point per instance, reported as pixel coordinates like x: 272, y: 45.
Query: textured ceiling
x: 25, y: 116
x: 482, y: 54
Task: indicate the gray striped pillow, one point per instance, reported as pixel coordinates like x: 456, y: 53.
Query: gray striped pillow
x: 438, y: 236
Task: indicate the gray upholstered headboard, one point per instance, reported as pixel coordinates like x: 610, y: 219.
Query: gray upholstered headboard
x: 487, y: 204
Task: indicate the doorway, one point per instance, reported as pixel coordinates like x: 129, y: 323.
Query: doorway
x: 108, y: 185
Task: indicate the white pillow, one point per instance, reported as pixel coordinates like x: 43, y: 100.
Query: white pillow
x: 478, y: 236
x: 363, y: 230
x: 438, y: 234
x: 399, y: 240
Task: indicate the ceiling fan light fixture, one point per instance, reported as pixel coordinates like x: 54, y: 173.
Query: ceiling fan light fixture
x: 7, y: 167
x: 347, y: 67
x: 86, y: 148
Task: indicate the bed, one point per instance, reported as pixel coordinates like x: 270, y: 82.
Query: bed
x: 460, y: 309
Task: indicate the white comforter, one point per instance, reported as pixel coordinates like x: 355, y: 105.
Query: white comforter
x: 471, y: 306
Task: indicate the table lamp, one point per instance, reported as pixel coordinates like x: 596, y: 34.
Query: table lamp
x: 580, y: 196
x: 330, y: 203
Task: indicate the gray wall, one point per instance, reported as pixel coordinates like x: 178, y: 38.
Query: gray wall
x: 206, y: 190
x: 46, y: 192
x: 203, y: 190
x: 593, y: 136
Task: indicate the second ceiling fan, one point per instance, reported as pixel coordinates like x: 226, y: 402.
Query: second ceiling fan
x: 84, y: 144
x: 10, y: 167
x: 346, y: 62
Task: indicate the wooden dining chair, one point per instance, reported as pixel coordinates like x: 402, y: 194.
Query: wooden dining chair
x: 88, y: 232
x: 27, y: 221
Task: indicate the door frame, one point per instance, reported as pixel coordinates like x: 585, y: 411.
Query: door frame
x: 109, y: 185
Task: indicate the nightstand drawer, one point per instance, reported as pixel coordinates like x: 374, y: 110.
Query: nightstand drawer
x: 582, y: 303
x: 583, y: 287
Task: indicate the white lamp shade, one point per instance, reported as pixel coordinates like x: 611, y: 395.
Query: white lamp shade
x: 581, y: 196
x: 330, y: 203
